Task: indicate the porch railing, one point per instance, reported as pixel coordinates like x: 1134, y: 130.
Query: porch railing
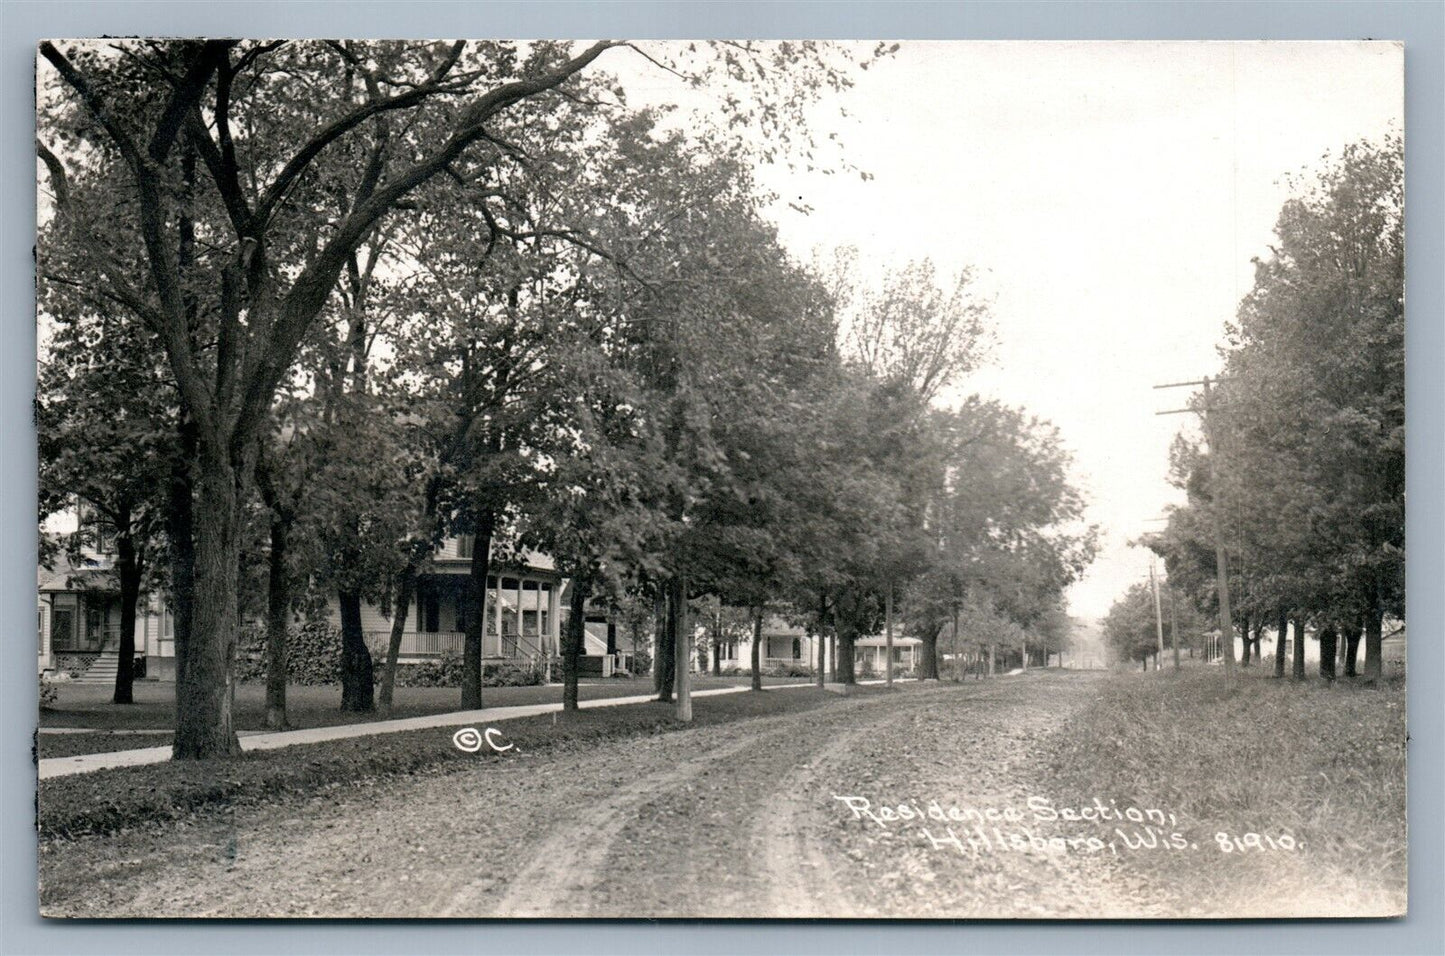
x: 92, y: 639
x: 784, y: 662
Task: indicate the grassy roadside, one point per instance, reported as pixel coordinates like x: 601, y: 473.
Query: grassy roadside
x: 126, y: 797
x: 89, y: 705
x: 1322, y: 764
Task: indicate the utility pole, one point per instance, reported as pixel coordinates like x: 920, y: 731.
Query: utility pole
x: 1221, y: 559
x: 1158, y: 615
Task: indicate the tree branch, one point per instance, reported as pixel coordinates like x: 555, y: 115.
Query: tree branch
x: 59, y: 182
x: 345, y: 124
x: 186, y: 96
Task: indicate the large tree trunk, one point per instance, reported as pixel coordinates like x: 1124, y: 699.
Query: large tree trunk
x: 682, y: 648
x: 401, y: 609
x: 716, y: 654
x: 1374, y: 637
x: 820, y: 676
x: 180, y: 524
x: 843, y: 660
x: 1246, y: 649
x: 129, y: 570
x: 992, y: 658
x: 474, y: 598
x: 820, y: 673
x: 888, y: 634
x: 953, y: 648
x: 1280, y: 636
x: 573, y: 640
x: 358, y: 682
x: 278, y: 621
x: 1352, y: 647
x: 928, y: 660
x: 205, y: 690
x: 611, y: 631
x: 1297, y: 672
x: 663, y: 675
x: 756, y: 656
x: 1328, y: 636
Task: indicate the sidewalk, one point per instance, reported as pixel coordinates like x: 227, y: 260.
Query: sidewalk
x: 85, y: 763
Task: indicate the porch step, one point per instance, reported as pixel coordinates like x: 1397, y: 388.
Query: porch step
x: 102, y: 670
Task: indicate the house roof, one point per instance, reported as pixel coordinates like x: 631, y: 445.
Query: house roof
x: 775, y: 626
x: 87, y: 575
x: 880, y: 640
x: 531, y: 561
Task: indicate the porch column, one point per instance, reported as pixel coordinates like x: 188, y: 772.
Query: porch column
x: 554, y: 625
x: 497, y: 611
x: 520, y: 632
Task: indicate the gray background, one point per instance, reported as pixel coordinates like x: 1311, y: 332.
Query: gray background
x: 1420, y: 24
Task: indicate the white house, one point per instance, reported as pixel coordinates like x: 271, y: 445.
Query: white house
x: 783, y: 645
x: 78, y: 604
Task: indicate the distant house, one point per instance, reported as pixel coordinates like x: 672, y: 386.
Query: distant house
x: 872, y: 652
x: 783, y: 645
x: 789, y: 645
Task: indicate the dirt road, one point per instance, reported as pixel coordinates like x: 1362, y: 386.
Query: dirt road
x: 737, y: 820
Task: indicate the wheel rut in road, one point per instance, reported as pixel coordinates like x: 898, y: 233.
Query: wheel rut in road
x: 712, y: 835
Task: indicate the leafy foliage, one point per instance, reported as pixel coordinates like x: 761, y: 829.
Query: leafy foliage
x: 1307, y: 477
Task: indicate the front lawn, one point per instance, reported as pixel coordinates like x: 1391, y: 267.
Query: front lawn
x: 89, y: 706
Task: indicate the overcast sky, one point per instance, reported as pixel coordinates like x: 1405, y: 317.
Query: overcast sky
x: 1111, y: 197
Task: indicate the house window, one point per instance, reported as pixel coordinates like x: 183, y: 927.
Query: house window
x: 97, y: 531
x: 62, y: 628
x: 104, y: 537
x: 465, y: 544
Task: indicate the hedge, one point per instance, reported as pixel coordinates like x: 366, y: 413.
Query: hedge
x: 313, y: 658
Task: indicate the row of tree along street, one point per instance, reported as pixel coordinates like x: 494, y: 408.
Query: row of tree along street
x: 311, y: 307
x: 1301, y: 482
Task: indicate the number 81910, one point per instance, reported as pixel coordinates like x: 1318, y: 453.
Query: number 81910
x: 1245, y: 842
